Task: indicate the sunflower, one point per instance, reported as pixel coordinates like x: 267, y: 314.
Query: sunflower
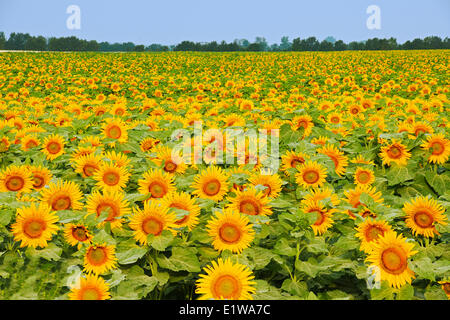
x: 183, y: 201
x: 395, y: 152
x: 421, y: 127
x: 165, y: 160
x: 353, y: 195
x: 359, y: 159
x: 99, y: 258
x: 91, y: 287
x: 77, y: 234
x: 115, y: 129
x: 211, y: 183
x: 41, y: 176
x: 364, y: 176
x: 291, y: 160
x: 4, y: 144
x: 148, y: 144
x: 250, y: 201
x: 109, y: 177
x: 439, y: 148
x: 389, y: 256
x: 16, y: 179
x: 446, y: 286
x: 226, y: 280
x: 322, y: 194
x: 423, y: 214
x: 157, y: 183
x: 311, y: 174
x: 87, y: 165
x: 154, y: 219
x: 119, y: 159
x: 35, y: 225
x: 111, y: 202
x: 339, y: 159
x: 303, y: 121
x: 230, y: 230
x: 369, y: 231
x: 62, y: 196
x: 323, y: 215
x: 29, y: 141
x: 272, y: 183
x: 53, y: 146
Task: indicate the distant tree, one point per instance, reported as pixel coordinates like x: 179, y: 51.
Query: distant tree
x: 356, y: 45
x: 262, y: 43
x: 255, y: 47
x: 2, y: 40
x: 325, y: 46
x: 17, y: 41
x: 417, y: 44
x: 285, y: 45
x: 330, y: 39
x: 92, y: 46
x: 446, y: 43
x: 139, y: 48
x: 36, y: 44
x: 340, y: 45
x: 157, y: 47
x: 433, y: 42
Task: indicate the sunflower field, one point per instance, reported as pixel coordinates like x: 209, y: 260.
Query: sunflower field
x: 93, y: 205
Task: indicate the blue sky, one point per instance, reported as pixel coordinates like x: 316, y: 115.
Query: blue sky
x: 172, y: 21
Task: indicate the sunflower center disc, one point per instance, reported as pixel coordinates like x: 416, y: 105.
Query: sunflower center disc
x: 226, y: 286
x: 157, y: 190
x: 111, y: 178
x: 311, y: 177
x: 97, y: 256
x: 437, y: 148
x: 229, y: 233
x: 423, y: 219
x: 249, y: 207
x: 79, y: 233
x: 15, y: 183
x: 115, y: 132
x: 393, y: 260
x: 90, y: 294
x: 53, y: 147
x: 61, y: 203
x: 33, y: 229
x: 212, y: 187
x: 152, y: 226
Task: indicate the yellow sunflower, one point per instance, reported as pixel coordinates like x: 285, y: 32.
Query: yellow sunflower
x: 154, y: 219
x: 100, y: 258
x: 119, y: 159
x: 353, y: 195
x: 148, y: 144
x: 395, y: 152
x: 439, y: 148
x: 41, y: 176
x: 164, y: 159
x: 53, y: 146
x: 389, y: 257
x: 311, y: 174
x: 87, y: 165
x: 115, y: 129
x: 339, y: 159
x: 35, y: 225
x: 322, y: 194
x: 250, y: 201
x: 445, y: 284
x: 77, y: 234
x: 369, y: 231
x: 62, y: 196
x: 157, y: 183
x: 111, y: 202
x: 29, y: 141
x: 291, y: 160
x: 211, y: 183
x: 183, y: 201
x: 91, y: 287
x: 364, y: 176
x: 324, y: 216
x: 226, y: 280
x: 109, y: 177
x: 303, y: 121
x: 423, y: 214
x: 16, y: 178
x: 230, y: 230
x: 272, y: 183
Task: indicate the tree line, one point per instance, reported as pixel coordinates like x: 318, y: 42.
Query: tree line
x: 24, y: 41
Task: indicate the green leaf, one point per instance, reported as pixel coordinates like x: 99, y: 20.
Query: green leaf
x: 439, y: 182
x: 51, y: 252
x: 260, y: 256
x: 435, y: 293
x: 397, y: 174
x: 162, y: 241
x: 310, y: 267
x: 385, y: 292
x: 128, y: 252
x: 423, y: 267
x: 182, y: 259
x: 406, y: 292
x: 282, y: 248
x: 295, y: 287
